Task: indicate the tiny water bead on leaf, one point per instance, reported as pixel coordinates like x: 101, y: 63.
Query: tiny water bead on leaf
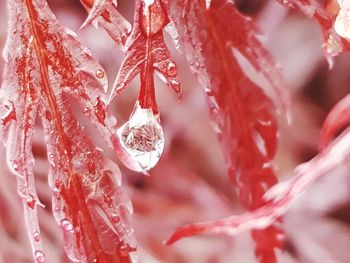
x: 39, y: 256
x: 141, y: 140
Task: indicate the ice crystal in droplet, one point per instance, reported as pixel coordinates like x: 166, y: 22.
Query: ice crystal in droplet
x: 141, y: 140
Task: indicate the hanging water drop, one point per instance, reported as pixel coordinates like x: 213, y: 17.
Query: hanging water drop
x: 141, y: 140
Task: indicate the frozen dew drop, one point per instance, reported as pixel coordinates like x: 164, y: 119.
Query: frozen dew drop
x: 66, y: 225
x: 141, y: 140
x: 39, y: 256
x: 100, y: 73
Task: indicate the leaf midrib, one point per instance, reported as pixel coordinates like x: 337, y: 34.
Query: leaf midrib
x: 60, y: 131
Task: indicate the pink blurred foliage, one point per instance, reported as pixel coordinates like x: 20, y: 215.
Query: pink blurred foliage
x: 190, y: 183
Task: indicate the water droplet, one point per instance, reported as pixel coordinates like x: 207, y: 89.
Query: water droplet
x: 115, y: 218
x: 100, y: 73
x: 39, y: 256
x: 87, y: 111
x: 66, y: 225
x: 209, y: 91
x: 36, y: 236
x: 51, y: 157
x: 56, y: 186
x: 171, y: 68
x: 141, y: 140
x: 197, y: 65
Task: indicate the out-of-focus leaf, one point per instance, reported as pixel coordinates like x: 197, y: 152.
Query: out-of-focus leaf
x: 279, y: 198
x: 45, y: 64
x: 337, y: 119
x: 243, y: 115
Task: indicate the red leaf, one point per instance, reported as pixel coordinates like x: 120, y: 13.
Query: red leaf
x: 45, y: 63
x: 147, y: 52
x: 105, y: 12
x: 337, y: 119
x: 325, y: 16
x: 244, y: 116
x: 279, y: 198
